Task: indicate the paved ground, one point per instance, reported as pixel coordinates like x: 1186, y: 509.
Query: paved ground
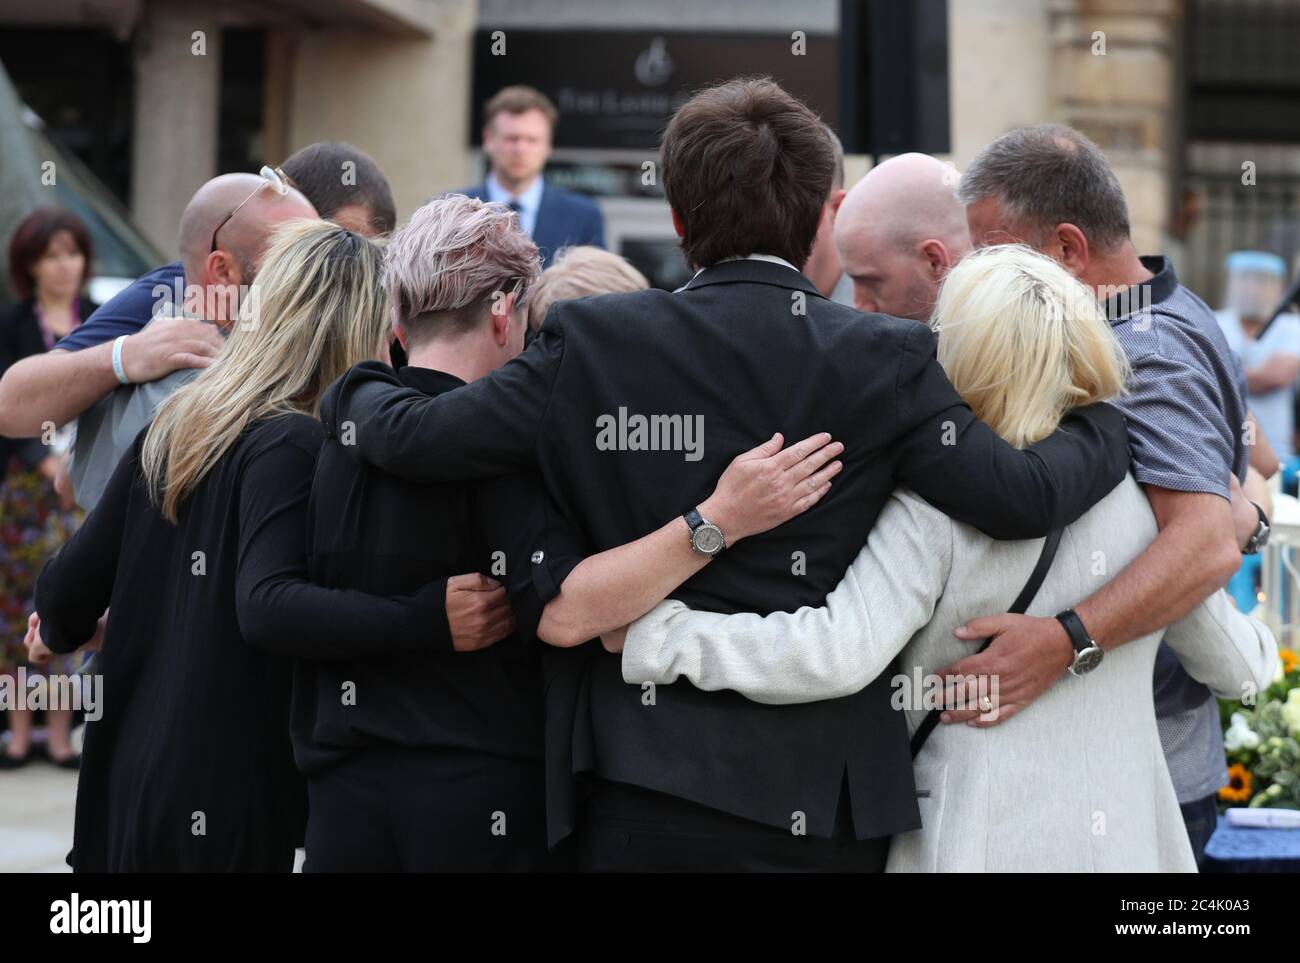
x: 36, y: 806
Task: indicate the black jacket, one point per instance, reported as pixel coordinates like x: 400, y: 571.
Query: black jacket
x: 20, y: 337
x: 750, y: 348
x: 374, y: 533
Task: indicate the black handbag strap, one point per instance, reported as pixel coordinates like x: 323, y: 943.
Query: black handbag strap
x: 1018, y: 607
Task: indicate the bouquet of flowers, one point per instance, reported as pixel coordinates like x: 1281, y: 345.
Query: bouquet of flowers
x: 1262, y: 737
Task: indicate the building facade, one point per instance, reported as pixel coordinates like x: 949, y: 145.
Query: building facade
x: 158, y: 95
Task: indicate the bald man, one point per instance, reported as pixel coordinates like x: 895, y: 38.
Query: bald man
x: 112, y: 371
x: 223, y: 235
x: 53, y: 388
x: 898, y: 231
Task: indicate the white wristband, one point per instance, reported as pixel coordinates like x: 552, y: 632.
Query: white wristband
x: 117, y: 360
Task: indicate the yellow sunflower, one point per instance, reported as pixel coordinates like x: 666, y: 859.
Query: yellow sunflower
x: 1290, y: 661
x: 1238, y: 788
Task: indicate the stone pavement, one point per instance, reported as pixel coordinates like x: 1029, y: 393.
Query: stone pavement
x: 37, y: 804
x: 36, y: 808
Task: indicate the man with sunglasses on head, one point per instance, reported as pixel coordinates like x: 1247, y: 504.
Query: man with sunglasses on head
x: 59, y: 386
x: 223, y: 234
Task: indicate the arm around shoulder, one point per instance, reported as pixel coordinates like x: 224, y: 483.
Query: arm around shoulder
x: 486, y: 428
x: 888, y: 594
x: 53, y: 388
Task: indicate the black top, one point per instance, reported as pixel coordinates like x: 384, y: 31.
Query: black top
x: 205, y: 617
x: 375, y: 533
x: 20, y: 337
x: 747, y: 348
x: 20, y: 332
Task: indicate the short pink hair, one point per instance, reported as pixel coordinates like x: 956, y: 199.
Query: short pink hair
x: 451, y: 257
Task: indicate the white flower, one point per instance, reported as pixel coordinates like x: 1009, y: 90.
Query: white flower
x: 1291, y: 712
x: 1240, y: 735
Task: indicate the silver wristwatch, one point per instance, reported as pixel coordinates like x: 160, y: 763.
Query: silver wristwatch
x: 706, y: 538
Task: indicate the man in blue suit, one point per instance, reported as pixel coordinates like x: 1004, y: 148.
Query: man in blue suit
x: 517, y: 126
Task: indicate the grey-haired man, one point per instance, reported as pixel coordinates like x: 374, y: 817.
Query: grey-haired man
x: 1050, y: 187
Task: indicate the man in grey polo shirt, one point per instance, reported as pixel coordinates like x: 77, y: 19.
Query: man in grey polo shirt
x: 106, y: 430
x: 1052, y: 188
x: 224, y: 232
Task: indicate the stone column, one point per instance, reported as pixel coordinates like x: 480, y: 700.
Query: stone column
x: 402, y: 98
x: 177, y: 100
x: 1114, y: 76
x: 999, y: 63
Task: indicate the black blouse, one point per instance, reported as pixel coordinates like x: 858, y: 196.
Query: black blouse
x: 190, y: 768
x: 373, y: 532
x: 20, y: 337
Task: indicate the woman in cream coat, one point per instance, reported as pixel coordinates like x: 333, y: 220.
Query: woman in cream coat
x: 1076, y: 782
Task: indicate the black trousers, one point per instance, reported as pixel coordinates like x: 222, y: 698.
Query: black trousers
x: 389, y: 810
x: 629, y: 829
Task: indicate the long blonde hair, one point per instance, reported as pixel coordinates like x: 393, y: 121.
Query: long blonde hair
x: 1023, y: 341
x: 316, y: 308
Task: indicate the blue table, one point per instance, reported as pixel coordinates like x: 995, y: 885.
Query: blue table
x: 1238, y: 849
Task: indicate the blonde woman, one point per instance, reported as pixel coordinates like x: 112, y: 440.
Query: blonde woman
x: 197, y: 551
x: 1076, y: 782
x: 578, y: 272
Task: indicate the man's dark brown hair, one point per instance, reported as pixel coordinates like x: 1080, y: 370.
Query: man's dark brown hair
x: 318, y: 171
x: 747, y: 167
x: 519, y: 99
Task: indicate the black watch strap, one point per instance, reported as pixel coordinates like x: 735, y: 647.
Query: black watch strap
x: 693, y: 519
x: 1260, y: 538
x: 1079, y: 636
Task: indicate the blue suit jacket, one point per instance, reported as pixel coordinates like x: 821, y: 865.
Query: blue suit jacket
x: 563, y: 219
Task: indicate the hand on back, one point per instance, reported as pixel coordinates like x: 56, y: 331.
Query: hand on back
x: 768, y: 485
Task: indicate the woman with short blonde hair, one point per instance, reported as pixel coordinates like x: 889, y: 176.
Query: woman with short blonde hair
x: 198, y: 551
x: 1023, y: 342
x: 578, y: 272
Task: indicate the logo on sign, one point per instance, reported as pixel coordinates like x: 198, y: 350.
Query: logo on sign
x: 654, y: 65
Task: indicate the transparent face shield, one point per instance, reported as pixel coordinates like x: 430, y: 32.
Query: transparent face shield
x: 1252, y: 294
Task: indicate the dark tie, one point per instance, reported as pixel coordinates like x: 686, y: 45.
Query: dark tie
x: 516, y: 207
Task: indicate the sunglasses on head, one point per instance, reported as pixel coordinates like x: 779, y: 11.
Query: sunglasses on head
x: 272, y: 177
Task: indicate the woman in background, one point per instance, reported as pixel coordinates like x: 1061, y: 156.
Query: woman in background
x: 50, y: 257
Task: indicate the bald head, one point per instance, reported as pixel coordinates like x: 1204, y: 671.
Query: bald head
x: 898, y: 231
x: 242, y: 240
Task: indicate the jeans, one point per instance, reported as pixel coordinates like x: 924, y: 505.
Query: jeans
x: 1200, y: 817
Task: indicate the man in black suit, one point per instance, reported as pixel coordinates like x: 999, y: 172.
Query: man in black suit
x: 631, y: 405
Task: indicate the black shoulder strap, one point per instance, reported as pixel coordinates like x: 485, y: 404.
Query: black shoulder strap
x: 1018, y: 607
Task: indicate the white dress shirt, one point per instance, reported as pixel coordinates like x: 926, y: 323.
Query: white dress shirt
x: 530, y: 201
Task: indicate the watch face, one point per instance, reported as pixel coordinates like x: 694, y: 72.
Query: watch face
x: 1087, y: 660
x: 707, y: 539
